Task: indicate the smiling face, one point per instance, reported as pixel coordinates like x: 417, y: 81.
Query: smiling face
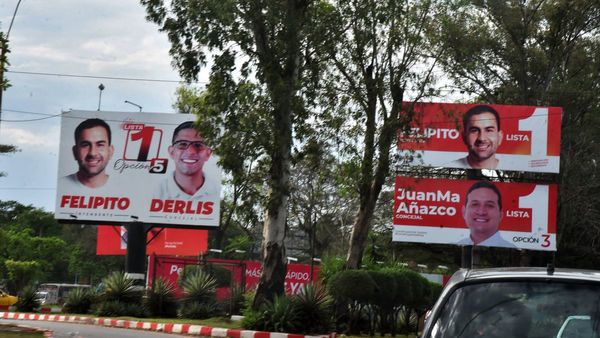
x: 92, y: 151
x: 189, y: 152
x: 482, y: 137
x: 482, y: 214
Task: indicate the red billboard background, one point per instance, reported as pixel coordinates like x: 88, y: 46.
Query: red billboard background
x: 170, y: 268
x: 161, y: 241
x: 531, y: 139
x: 430, y: 211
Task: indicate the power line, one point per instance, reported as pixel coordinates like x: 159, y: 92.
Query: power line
x: 100, y: 77
x: 64, y: 114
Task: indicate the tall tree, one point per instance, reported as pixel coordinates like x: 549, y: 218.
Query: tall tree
x: 377, y: 53
x: 4, y: 84
x: 271, y: 36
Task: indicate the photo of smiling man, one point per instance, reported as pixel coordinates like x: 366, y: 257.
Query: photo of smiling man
x: 92, y: 151
x: 189, y: 180
x: 482, y: 213
x: 482, y: 135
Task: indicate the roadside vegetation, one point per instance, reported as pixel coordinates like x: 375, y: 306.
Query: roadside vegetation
x: 385, y: 300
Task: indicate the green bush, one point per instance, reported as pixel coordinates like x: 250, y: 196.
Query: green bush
x: 198, y: 310
x: 329, y: 267
x: 28, y: 301
x: 235, y: 302
x: 313, y: 306
x: 79, y: 301
x: 221, y: 274
x: 160, y: 299
x: 198, y: 299
x: 117, y: 287
x: 352, y: 286
x: 352, y: 291
x: 120, y: 297
x: 279, y: 316
x: 115, y: 308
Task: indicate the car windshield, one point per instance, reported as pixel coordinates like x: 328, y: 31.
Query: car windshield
x: 521, y: 309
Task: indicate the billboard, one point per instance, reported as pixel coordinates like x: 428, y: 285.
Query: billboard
x: 504, y: 137
x: 297, y: 276
x: 112, y: 240
x: 467, y: 212
x: 118, y: 167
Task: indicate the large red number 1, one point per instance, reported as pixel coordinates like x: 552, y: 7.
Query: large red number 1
x: 146, y: 136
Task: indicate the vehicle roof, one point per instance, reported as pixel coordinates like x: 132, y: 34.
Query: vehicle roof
x: 468, y: 275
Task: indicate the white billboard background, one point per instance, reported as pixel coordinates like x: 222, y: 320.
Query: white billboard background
x: 129, y: 179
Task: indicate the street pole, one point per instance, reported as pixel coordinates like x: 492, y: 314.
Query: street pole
x: 101, y: 87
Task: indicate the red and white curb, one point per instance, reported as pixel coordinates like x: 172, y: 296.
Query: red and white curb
x: 196, y: 330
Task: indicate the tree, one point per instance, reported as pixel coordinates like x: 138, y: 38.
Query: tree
x: 270, y: 35
x: 4, y: 85
x: 538, y: 52
x: 374, y: 48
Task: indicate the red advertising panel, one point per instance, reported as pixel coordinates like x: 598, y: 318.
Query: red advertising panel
x: 124, y: 167
x: 112, y: 240
x: 467, y: 212
x: 170, y: 268
x: 505, y: 137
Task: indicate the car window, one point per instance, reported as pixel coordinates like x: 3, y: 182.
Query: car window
x: 519, y: 309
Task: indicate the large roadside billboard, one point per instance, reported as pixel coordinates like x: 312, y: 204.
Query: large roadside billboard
x: 122, y: 167
x: 471, y: 212
x: 112, y: 240
x: 504, y: 137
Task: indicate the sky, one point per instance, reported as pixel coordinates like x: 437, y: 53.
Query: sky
x: 91, y: 38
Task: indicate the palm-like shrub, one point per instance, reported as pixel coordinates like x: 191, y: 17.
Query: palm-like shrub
x: 160, y: 299
x: 313, y: 306
x: 79, y: 301
x: 27, y: 302
x: 279, y: 316
x: 198, y: 301
x: 120, y: 297
x: 117, y: 287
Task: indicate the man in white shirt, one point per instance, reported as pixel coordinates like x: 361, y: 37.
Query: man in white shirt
x: 482, y: 136
x: 92, y: 151
x: 189, y: 181
x: 482, y: 212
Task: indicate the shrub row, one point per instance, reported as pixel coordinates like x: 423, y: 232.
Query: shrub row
x: 386, y: 299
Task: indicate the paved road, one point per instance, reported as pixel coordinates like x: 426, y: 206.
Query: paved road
x: 70, y: 330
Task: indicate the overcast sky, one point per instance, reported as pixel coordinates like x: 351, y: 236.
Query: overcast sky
x: 106, y: 38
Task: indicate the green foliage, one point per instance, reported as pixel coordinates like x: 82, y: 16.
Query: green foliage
x: 235, y: 302
x: 221, y: 274
x: 160, y: 299
x: 352, y: 286
x: 79, y: 301
x: 28, y: 302
x: 120, y: 297
x: 22, y: 273
x: 198, y: 299
x: 115, y: 308
x: 330, y: 266
x: 277, y: 316
x: 313, y: 306
x: 198, y: 310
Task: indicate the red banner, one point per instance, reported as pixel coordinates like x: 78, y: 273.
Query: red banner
x: 466, y: 212
x: 505, y: 137
x: 296, y: 279
x: 112, y: 240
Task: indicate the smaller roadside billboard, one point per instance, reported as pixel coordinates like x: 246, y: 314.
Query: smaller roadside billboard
x: 471, y: 212
x: 504, y: 137
x: 112, y: 240
x: 124, y: 167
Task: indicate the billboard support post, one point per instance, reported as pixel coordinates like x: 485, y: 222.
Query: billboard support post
x: 135, y: 261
